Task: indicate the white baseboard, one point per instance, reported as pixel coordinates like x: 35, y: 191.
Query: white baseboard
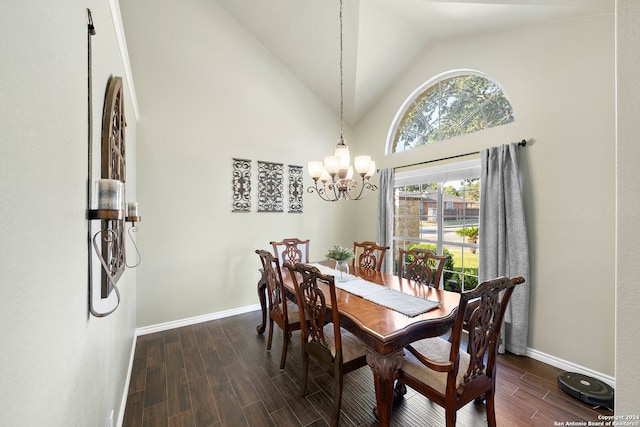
x: 569, y: 366
x: 197, y: 319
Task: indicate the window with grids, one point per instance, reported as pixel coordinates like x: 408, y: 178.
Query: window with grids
x: 454, y: 105
x: 438, y: 208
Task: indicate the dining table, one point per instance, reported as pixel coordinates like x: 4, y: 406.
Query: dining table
x: 384, y: 330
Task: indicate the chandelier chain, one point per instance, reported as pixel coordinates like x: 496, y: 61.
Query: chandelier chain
x: 333, y: 179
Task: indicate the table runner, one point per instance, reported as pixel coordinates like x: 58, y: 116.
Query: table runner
x: 409, y: 305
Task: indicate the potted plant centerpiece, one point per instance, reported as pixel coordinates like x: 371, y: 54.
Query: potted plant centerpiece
x: 341, y: 256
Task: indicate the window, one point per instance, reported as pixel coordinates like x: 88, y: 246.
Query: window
x: 437, y: 208
x: 456, y: 104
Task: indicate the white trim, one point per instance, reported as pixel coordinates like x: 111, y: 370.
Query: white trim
x: 116, y: 17
x: 125, y: 394
x: 569, y: 366
x: 193, y: 320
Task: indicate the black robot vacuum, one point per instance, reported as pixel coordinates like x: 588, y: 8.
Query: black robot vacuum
x: 586, y: 389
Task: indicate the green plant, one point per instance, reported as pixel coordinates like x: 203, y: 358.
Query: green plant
x: 339, y: 253
x: 471, y: 233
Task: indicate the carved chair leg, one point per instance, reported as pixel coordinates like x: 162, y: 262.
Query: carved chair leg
x: 450, y: 417
x: 285, y: 346
x: 270, y: 339
x: 262, y: 297
x: 337, y: 400
x: 491, y: 410
x: 305, y: 373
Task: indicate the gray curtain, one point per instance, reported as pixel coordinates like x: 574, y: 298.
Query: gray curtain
x: 385, y: 216
x: 502, y: 239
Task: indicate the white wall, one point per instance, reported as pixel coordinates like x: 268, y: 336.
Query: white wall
x: 560, y: 80
x: 628, y: 208
x: 59, y: 365
x: 209, y: 92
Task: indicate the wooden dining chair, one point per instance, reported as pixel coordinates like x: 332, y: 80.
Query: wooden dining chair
x: 291, y: 250
x: 282, y: 311
x: 423, y: 266
x: 450, y: 377
x: 369, y: 255
x: 322, y: 337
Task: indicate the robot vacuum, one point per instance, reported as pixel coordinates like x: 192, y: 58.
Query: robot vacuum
x: 586, y: 389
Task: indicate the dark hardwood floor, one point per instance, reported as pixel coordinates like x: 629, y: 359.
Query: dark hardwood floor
x: 219, y: 373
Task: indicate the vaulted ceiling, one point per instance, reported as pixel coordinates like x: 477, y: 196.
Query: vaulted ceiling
x: 380, y: 37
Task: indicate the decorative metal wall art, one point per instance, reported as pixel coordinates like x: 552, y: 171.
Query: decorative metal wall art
x: 296, y: 189
x: 241, y: 185
x: 270, y: 187
x: 113, y: 167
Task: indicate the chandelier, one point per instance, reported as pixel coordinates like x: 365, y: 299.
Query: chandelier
x: 334, y: 178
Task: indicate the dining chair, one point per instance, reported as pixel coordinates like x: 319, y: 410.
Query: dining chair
x: 423, y: 266
x: 291, y: 250
x: 322, y: 337
x: 450, y: 377
x: 369, y: 255
x: 282, y: 311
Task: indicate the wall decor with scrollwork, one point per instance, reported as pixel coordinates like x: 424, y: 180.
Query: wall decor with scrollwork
x: 241, y: 185
x: 296, y: 189
x: 270, y: 187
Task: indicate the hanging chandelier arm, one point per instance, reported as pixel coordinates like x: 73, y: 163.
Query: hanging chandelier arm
x: 360, y: 193
x: 324, y: 192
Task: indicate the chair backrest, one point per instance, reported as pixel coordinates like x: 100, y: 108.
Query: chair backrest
x: 275, y: 289
x: 369, y: 255
x: 312, y: 288
x: 492, y: 298
x: 291, y: 250
x: 423, y: 266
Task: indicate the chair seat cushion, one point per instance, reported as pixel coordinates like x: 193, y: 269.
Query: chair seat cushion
x: 352, y: 346
x: 292, y: 312
x: 438, y: 350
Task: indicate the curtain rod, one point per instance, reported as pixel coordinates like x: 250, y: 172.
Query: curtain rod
x: 522, y: 143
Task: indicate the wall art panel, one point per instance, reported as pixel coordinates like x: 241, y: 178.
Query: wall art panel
x: 270, y: 187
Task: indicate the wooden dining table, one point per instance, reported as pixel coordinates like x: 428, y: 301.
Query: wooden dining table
x: 384, y: 331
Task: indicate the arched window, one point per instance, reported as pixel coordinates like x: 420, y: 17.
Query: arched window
x: 450, y: 105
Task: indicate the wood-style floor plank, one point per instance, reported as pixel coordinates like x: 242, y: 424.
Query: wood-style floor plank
x: 230, y: 410
x: 156, y: 386
x: 193, y: 362
x: 257, y: 415
x: 205, y: 410
x: 177, y: 392
x: 219, y: 374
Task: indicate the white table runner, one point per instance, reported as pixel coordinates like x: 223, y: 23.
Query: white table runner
x: 409, y: 305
